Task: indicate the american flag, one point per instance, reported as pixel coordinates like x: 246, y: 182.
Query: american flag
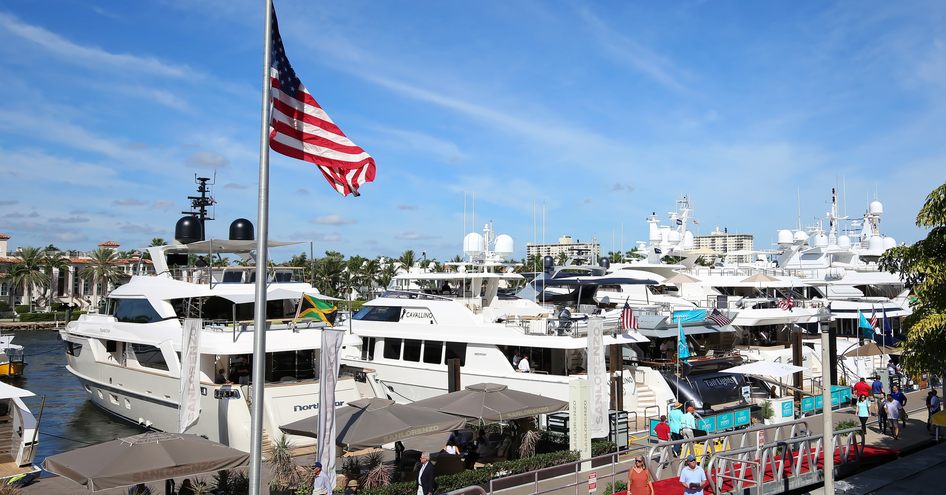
x: 300, y: 129
x: 873, y: 317
x: 787, y: 303
x: 628, y: 320
x: 719, y: 318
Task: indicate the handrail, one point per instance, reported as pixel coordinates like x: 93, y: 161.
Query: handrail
x: 648, y: 416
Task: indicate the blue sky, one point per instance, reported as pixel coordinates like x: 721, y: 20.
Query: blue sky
x: 603, y: 112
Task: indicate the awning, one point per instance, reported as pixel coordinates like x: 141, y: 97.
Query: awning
x: 765, y: 368
x: 666, y: 333
x: 223, y: 245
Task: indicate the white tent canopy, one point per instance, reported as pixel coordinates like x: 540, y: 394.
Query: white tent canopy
x: 765, y: 368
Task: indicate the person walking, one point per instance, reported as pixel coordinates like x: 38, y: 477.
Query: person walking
x: 933, y: 405
x: 689, y: 423
x: 675, y: 420
x: 877, y: 387
x: 639, y: 481
x: 692, y: 477
x: 893, y: 414
x: 881, y: 405
x: 425, y: 476
x: 860, y: 388
x: 900, y: 397
x: 320, y: 482
x: 662, y: 430
x: 863, y: 413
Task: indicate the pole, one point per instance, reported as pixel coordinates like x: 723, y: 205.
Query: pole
x: 262, y: 232
x: 828, y: 443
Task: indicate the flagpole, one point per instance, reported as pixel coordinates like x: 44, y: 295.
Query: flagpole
x: 262, y: 233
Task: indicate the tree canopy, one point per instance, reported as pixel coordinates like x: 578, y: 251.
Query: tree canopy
x: 922, y: 267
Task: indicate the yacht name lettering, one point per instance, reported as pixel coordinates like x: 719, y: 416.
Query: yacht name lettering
x: 416, y: 313
x: 308, y: 407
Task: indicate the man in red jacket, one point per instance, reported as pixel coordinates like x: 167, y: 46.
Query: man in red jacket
x: 861, y: 388
x: 663, y: 429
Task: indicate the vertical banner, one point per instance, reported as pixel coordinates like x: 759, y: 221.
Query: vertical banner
x: 579, y: 437
x: 328, y: 376
x: 598, y: 376
x: 189, y: 406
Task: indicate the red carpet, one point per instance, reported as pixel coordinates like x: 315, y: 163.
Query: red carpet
x: 672, y: 486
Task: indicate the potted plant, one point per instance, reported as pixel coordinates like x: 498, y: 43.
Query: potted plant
x: 768, y: 411
x: 286, y: 474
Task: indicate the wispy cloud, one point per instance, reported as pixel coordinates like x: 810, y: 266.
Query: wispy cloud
x: 207, y: 160
x: 128, y: 202
x: 89, y: 56
x: 421, y: 142
x: 332, y: 220
x: 628, y: 51
x: 410, y: 235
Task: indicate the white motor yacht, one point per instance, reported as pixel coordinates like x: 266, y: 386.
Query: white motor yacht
x: 19, y: 435
x: 128, y: 358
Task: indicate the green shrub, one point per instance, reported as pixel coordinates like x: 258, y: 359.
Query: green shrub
x: 4, y: 306
x: 480, y: 476
x: 617, y: 486
x: 843, y: 425
x: 22, y: 308
x: 602, y: 447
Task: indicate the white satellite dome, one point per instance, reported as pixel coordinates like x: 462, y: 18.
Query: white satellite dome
x: 818, y: 240
x: 876, y: 208
x: 800, y: 236
x: 673, y: 237
x: 875, y: 244
x: 473, y: 244
x: 844, y: 241
x: 664, y: 234
x: 504, y: 246
x: 784, y: 237
x: 688, y: 240
x: 889, y: 242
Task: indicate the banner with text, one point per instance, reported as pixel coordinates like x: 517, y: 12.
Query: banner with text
x: 328, y: 376
x: 598, y: 376
x: 189, y: 406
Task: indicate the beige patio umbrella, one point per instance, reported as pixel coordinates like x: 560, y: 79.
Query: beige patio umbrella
x: 871, y: 349
x: 492, y: 402
x: 144, y: 458
x: 759, y: 278
x: 375, y: 422
x: 679, y: 279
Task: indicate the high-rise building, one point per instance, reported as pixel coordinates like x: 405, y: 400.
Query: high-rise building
x: 722, y: 242
x: 566, y: 244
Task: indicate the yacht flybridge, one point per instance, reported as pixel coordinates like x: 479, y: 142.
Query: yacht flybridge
x: 128, y: 358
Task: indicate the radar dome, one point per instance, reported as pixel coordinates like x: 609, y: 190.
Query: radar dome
x: 784, y: 237
x: 876, y: 208
x: 800, y: 236
x: 673, y: 237
x: 844, y: 241
x: 473, y: 244
x: 876, y: 243
x: 889, y: 242
x: 818, y: 240
x: 241, y: 230
x: 688, y: 240
x: 188, y: 230
x: 504, y: 245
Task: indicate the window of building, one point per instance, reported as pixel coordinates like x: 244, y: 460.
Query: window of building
x: 149, y: 356
x: 412, y: 350
x: 456, y: 350
x: 133, y: 311
x: 432, y: 351
x: 4, y: 289
x: 392, y: 348
x: 378, y: 313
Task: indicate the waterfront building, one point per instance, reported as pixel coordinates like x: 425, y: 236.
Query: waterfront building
x: 566, y: 245
x: 722, y: 242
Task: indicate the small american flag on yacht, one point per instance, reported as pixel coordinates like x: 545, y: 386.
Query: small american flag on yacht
x: 873, y: 317
x: 628, y: 320
x: 718, y: 318
x: 300, y: 129
x: 787, y: 303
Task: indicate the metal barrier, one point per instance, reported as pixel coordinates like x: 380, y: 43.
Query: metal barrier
x: 647, y: 416
x: 572, y: 470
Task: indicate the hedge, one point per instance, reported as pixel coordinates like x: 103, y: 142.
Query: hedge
x: 480, y: 476
x: 57, y: 316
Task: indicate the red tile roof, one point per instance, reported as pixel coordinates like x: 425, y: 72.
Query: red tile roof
x: 3, y: 236
x: 109, y: 244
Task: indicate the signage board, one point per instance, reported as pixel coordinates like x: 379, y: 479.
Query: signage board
x: 707, y: 424
x: 788, y: 409
x: 807, y: 404
x: 724, y: 421
x: 746, y: 393
x: 592, y: 481
x: 653, y: 427
x: 741, y: 417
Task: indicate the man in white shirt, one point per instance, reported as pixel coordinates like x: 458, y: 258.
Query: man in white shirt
x: 320, y: 483
x: 523, y: 366
x: 692, y: 477
x: 893, y: 414
x: 425, y: 476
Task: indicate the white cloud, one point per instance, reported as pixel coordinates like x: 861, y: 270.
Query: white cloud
x: 332, y: 220
x: 89, y: 56
x: 207, y: 160
x: 421, y: 142
x: 128, y: 202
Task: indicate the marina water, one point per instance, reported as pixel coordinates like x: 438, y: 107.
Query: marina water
x: 70, y: 421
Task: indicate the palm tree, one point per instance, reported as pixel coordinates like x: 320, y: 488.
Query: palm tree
x: 157, y: 241
x: 407, y: 260
x: 615, y: 256
x: 561, y: 258
x: 29, y: 271
x: 388, y: 271
x: 328, y: 273
x: 102, y: 269
x: 53, y: 261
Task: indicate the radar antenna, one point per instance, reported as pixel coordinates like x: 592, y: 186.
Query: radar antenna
x: 200, y: 203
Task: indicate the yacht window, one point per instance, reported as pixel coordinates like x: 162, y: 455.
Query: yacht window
x: 134, y: 311
x: 378, y: 313
x: 412, y: 350
x: 290, y: 365
x: 367, y: 348
x: 73, y: 349
x: 456, y: 350
x: 392, y: 348
x: 432, y: 351
x: 149, y: 356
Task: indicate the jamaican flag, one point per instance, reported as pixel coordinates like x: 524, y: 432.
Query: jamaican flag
x: 316, y: 309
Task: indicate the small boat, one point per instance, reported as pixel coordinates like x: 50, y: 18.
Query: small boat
x: 19, y: 436
x: 11, y: 357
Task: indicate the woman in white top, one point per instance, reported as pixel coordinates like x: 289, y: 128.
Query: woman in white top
x: 451, y: 448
